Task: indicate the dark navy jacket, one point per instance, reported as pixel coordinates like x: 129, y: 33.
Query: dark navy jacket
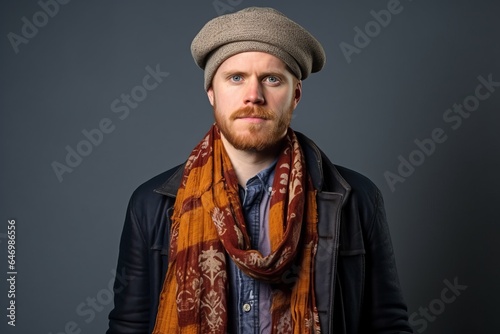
x: 356, y: 281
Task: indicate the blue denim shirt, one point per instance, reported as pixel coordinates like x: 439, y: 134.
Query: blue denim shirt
x: 250, y: 300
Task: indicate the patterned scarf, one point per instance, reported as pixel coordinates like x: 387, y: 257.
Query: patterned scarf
x: 208, y: 223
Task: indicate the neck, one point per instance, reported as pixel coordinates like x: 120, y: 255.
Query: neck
x: 247, y: 164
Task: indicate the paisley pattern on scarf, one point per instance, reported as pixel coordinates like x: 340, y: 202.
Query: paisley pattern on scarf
x: 208, y: 224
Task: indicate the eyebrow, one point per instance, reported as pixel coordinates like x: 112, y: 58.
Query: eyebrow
x: 280, y: 74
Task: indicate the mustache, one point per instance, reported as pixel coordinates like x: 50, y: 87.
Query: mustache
x: 255, y: 111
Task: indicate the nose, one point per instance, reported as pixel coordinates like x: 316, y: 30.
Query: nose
x: 254, y: 94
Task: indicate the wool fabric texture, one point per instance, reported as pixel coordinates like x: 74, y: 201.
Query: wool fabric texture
x: 257, y: 29
x: 208, y: 228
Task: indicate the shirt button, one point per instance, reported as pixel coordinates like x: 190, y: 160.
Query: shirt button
x: 246, y: 307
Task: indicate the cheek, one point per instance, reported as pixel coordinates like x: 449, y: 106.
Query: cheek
x: 284, y: 102
x: 226, y: 98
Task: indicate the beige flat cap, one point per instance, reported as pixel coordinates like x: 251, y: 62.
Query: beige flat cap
x: 257, y: 29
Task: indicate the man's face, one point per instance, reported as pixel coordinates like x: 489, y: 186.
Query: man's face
x: 253, y: 96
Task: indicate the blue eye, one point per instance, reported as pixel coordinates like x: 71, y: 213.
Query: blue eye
x: 236, y: 78
x: 272, y: 79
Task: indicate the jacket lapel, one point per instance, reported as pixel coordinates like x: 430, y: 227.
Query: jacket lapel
x: 333, y: 191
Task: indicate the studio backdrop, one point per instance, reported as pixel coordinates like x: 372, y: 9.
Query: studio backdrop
x: 97, y: 97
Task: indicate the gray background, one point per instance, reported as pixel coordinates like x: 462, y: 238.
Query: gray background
x: 364, y: 114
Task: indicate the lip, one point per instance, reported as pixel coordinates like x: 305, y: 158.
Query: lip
x: 253, y: 116
x: 252, y: 119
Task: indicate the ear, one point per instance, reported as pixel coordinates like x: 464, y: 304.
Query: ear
x: 297, y: 92
x: 210, y: 94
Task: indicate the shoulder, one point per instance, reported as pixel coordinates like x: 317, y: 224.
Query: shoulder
x: 362, y: 198
x: 148, y: 209
x: 361, y: 186
x: 364, y: 208
x: 149, y: 194
x: 331, y: 177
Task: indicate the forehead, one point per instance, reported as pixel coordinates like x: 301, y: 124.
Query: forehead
x: 253, y: 61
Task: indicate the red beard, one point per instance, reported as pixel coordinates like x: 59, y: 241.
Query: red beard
x: 258, y: 136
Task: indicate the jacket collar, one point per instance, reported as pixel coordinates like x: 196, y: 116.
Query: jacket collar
x: 324, y: 175
x: 169, y: 187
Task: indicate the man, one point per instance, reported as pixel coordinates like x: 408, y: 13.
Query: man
x: 258, y: 232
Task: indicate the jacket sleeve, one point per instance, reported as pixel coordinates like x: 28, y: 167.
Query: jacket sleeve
x: 384, y: 310
x: 131, y: 311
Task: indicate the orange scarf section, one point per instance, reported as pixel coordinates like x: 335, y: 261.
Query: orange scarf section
x: 208, y: 224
